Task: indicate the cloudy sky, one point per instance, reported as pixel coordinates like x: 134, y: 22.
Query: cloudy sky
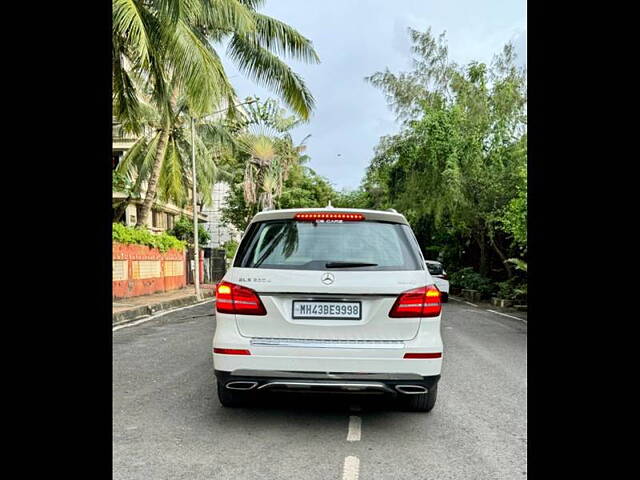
x: 354, y: 39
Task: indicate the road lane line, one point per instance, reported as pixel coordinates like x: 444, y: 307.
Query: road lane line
x: 355, y: 429
x: 460, y: 300
x: 351, y: 469
x: 505, y: 315
x: 160, y: 314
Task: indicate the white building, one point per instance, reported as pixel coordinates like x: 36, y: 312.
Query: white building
x: 220, y: 232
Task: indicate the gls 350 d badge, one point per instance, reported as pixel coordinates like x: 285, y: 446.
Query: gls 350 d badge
x: 327, y: 278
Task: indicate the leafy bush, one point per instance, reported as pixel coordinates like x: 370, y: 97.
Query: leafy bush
x: 468, y: 279
x: 230, y: 247
x: 183, y: 229
x: 513, y: 289
x: 141, y: 236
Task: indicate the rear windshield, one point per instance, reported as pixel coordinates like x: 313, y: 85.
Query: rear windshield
x: 288, y: 244
x: 434, y: 268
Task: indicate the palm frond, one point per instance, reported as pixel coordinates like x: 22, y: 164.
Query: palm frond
x: 171, y: 184
x: 282, y: 39
x: 198, y: 70
x: 128, y: 23
x: 267, y: 69
x: 126, y: 107
x: 220, y: 17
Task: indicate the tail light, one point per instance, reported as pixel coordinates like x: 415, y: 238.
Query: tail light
x: 232, y: 298
x: 419, y: 302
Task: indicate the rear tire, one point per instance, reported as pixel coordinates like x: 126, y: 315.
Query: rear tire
x: 444, y: 297
x: 422, y: 403
x: 229, y: 398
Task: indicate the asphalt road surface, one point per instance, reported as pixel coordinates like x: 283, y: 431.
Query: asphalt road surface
x: 168, y: 423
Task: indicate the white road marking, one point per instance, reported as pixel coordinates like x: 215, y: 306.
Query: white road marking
x: 355, y: 429
x: 351, y: 469
x: 505, y: 315
x: 153, y: 317
x: 461, y: 300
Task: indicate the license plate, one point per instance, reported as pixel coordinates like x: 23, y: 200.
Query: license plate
x: 327, y: 310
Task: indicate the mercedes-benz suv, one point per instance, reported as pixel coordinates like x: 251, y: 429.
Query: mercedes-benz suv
x: 328, y: 300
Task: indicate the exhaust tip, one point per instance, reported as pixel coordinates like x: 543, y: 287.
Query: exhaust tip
x: 411, y: 389
x: 241, y: 385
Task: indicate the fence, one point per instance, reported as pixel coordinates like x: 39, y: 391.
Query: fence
x: 141, y: 270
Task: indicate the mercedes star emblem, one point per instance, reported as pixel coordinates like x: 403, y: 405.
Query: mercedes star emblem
x: 327, y: 278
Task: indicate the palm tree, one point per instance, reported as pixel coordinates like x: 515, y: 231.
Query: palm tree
x: 169, y: 42
x: 270, y: 156
x: 213, y: 143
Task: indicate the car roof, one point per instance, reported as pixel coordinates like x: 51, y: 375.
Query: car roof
x: 379, y: 215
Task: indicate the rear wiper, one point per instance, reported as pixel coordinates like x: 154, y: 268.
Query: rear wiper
x: 349, y: 264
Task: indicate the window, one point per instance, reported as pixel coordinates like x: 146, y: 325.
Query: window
x: 287, y: 244
x: 435, y: 268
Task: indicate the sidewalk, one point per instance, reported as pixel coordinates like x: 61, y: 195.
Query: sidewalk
x: 128, y: 309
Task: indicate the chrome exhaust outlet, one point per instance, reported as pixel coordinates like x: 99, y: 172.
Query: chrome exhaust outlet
x: 241, y: 385
x: 411, y: 389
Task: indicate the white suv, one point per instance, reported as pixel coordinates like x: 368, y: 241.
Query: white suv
x: 328, y: 300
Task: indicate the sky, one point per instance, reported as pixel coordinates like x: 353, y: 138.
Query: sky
x: 356, y: 38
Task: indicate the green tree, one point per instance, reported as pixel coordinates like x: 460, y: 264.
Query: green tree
x: 183, y: 230
x: 213, y: 142
x: 167, y: 47
x: 462, y: 149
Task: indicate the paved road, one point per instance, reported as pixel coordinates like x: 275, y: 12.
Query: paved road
x: 168, y: 424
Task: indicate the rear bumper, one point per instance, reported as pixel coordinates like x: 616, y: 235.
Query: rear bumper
x: 313, y: 382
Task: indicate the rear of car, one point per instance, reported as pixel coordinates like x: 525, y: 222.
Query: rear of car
x: 439, y: 277
x: 332, y: 300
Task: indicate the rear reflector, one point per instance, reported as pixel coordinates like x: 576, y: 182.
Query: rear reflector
x: 423, y: 355
x: 419, y: 302
x: 312, y: 217
x: 231, y: 351
x: 232, y: 298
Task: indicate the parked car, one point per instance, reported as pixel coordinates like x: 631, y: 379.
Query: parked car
x: 440, y: 277
x: 328, y: 300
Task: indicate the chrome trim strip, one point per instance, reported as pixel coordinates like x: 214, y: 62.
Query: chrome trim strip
x: 327, y: 344
x: 342, y: 386
x: 246, y: 372
x: 329, y: 295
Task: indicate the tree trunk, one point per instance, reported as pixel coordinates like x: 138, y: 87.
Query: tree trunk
x: 153, y: 179
x: 484, y: 266
x: 120, y: 209
x: 501, y: 255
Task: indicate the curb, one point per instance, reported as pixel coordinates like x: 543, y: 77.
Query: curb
x: 134, y: 314
x: 483, y: 306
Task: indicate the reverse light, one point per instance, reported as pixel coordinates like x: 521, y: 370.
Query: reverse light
x: 313, y: 216
x: 419, y: 302
x: 232, y: 298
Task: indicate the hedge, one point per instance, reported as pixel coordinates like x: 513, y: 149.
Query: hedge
x: 141, y: 236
